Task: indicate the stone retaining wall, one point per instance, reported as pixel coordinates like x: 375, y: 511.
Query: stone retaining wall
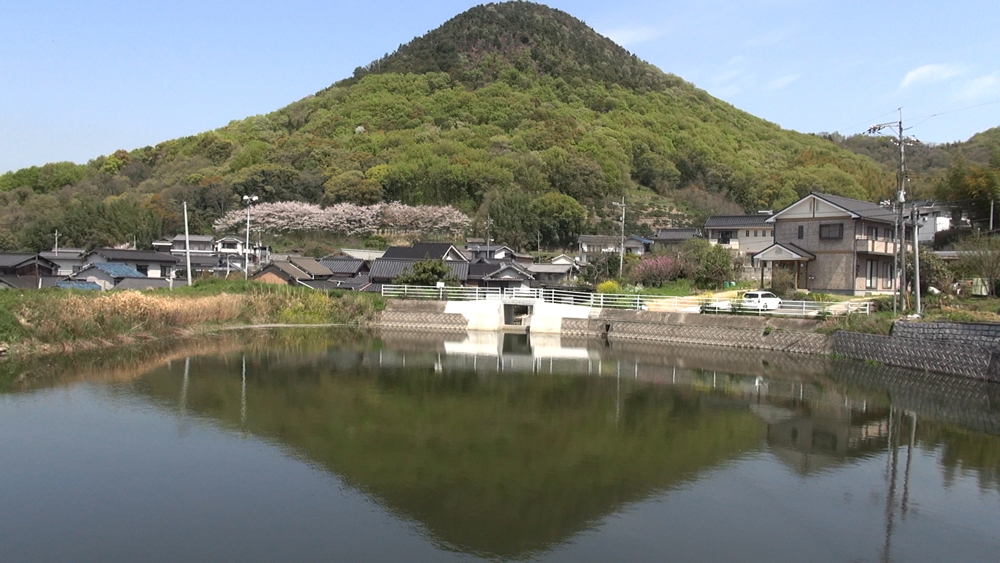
x: 969, y: 350
x: 976, y: 334
x: 416, y: 314
x: 760, y: 333
x: 938, y: 356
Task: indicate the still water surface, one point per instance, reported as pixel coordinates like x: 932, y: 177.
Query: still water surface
x: 333, y: 447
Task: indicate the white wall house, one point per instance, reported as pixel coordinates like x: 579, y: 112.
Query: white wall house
x: 150, y: 264
x: 748, y: 234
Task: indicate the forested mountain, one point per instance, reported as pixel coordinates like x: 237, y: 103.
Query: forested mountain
x: 515, y: 108
x: 927, y: 164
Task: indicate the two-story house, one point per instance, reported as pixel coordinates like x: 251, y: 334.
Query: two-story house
x: 835, y: 244
x: 748, y: 234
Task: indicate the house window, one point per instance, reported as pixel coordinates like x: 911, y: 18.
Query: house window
x: 871, y: 275
x: 802, y: 232
x: 748, y: 233
x: 873, y: 233
x: 165, y: 271
x: 725, y: 237
x: 890, y: 234
x: 834, y: 231
x: 76, y: 269
x: 887, y: 275
x: 142, y: 269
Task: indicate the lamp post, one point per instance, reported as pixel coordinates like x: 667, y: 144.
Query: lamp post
x: 248, y: 200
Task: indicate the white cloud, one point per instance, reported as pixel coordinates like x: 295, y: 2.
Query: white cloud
x: 981, y: 87
x: 779, y: 83
x: 632, y: 35
x: 930, y: 74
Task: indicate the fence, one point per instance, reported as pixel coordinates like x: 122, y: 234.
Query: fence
x: 625, y: 301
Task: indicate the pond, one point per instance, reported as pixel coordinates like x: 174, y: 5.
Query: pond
x: 321, y: 445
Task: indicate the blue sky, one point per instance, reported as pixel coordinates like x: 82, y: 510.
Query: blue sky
x: 82, y: 79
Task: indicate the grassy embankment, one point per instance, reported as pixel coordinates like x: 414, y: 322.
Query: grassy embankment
x: 935, y: 309
x: 55, y: 320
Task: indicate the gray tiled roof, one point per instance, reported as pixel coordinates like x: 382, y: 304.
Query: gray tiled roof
x: 865, y: 209
x: 136, y: 255
x: 737, y: 221
x: 310, y: 266
x: 675, y: 234
x: 343, y: 265
x: 12, y: 259
x: 419, y: 251
x: 384, y: 270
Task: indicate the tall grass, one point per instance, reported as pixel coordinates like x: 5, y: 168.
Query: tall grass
x: 51, y: 316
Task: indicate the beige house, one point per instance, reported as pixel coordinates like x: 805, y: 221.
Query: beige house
x: 747, y: 234
x: 835, y: 244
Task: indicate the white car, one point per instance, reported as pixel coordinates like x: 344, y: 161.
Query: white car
x: 760, y: 301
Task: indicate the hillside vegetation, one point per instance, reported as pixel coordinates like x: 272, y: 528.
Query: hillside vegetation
x: 515, y: 108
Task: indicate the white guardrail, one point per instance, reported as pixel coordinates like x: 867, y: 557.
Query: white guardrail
x: 625, y: 301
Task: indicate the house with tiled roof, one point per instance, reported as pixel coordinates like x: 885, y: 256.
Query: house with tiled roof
x: 834, y: 244
x: 107, y: 274
x: 296, y: 270
x: 747, y: 234
x: 147, y: 262
x: 426, y: 251
x: 385, y: 270
x: 26, y: 264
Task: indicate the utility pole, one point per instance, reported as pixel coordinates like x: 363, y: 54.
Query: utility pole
x: 248, y: 200
x: 991, y: 215
x: 187, y: 244
x: 56, y: 249
x: 914, y: 217
x: 621, y: 254
x: 901, y: 200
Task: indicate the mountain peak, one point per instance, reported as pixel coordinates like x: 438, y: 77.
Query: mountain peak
x: 532, y: 38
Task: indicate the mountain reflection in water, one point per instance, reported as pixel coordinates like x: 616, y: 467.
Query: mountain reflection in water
x: 505, y: 446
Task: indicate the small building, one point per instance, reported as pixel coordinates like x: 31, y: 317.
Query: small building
x: 146, y: 262
x: 68, y: 260
x: 366, y: 254
x: 426, y: 251
x: 494, y: 251
x: 297, y: 270
x: 593, y: 246
x: 229, y: 245
x: 563, y: 259
x: 107, y: 275
x: 554, y: 275
x: 345, y: 267
x: 386, y: 270
x: 747, y: 234
x: 674, y: 237
x: 26, y: 264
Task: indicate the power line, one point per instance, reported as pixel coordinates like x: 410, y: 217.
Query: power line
x: 933, y: 115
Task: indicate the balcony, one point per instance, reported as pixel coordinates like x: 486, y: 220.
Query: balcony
x: 875, y: 246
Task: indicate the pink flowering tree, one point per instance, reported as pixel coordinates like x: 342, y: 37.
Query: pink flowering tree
x: 657, y: 270
x: 345, y: 218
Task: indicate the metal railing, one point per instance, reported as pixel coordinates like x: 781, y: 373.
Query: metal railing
x: 635, y: 302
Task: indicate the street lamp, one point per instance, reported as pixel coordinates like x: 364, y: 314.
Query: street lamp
x: 248, y: 200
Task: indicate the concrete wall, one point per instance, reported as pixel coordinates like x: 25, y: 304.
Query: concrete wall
x: 549, y: 317
x: 480, y: 315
